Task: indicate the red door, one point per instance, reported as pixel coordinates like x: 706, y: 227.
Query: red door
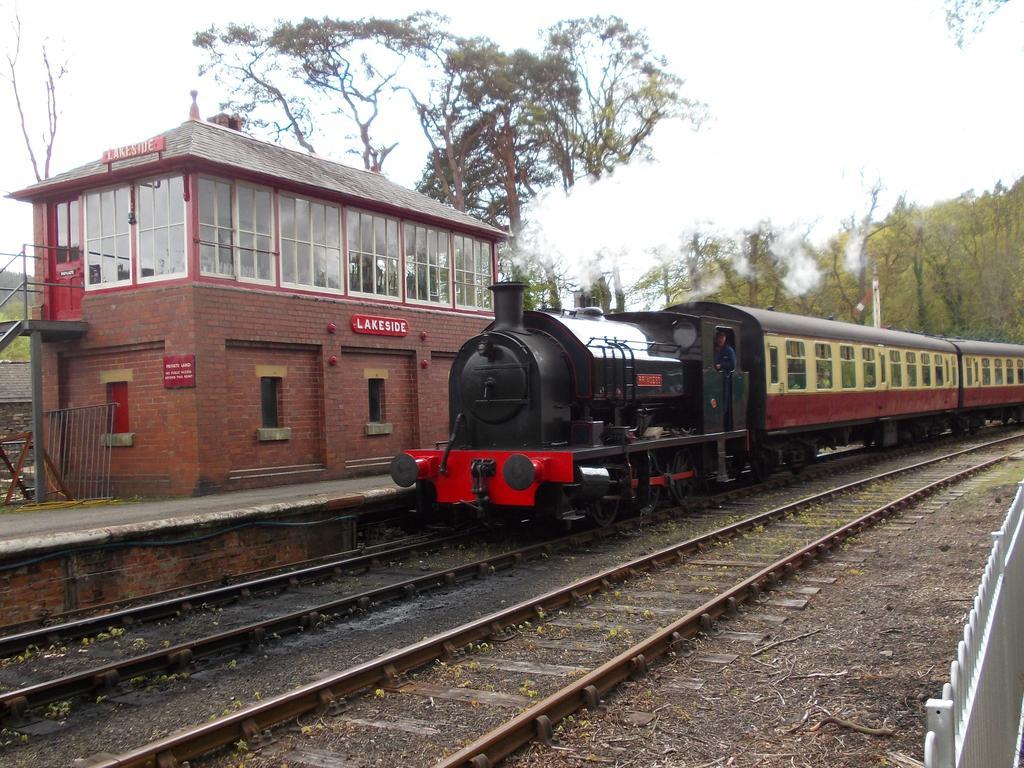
x: 66, y: 275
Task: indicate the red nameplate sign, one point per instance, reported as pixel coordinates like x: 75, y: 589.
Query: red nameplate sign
x: 179, y: 371
x: 380, y: 326
x: 157, y: 144
x: 648, y: 379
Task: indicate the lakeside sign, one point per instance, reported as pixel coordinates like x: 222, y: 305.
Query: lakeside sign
x: 156, y: 144
x: 380, y: 326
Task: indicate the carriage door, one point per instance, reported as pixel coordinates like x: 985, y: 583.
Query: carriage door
x: 64, y: 257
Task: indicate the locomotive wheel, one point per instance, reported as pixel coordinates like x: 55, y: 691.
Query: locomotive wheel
x: 654, y: 491
x: 603, y: 511
x: 680, y: 462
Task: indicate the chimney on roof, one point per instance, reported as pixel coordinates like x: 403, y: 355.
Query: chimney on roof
x: 193, y: 112
x: 234, y: 122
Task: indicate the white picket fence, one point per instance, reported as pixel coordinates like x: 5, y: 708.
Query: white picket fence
x: 977, y: 722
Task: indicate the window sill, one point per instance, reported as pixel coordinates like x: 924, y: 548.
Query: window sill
x: 379, y: 428
x: 273, y: 434
x: 118, y: 440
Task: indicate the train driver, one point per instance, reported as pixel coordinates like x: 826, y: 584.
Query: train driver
x: 725, y: 361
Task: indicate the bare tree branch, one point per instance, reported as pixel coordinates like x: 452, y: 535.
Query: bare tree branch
x: 53, y: 76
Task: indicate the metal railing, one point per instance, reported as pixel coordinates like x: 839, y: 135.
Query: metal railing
x: 976, y: 723
x: 81, y: 456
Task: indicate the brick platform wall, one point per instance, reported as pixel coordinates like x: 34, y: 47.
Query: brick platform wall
x: 91, y: 578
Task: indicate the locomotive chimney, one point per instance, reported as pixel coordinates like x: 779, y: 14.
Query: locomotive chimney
x: 508, y: 307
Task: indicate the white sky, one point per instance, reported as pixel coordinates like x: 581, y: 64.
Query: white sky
x: 805, y: 97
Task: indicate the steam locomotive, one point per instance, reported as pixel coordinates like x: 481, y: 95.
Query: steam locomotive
x: 574, y: 413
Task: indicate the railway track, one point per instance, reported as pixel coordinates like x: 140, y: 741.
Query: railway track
x: 602, y: 615
x: 171, y: 659
x: 19, y: 639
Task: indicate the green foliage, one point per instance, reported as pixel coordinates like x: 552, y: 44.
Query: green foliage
x: 19, y: 348
x: 954, y: 269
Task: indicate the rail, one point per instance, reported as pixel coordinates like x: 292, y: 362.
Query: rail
x: 976, y: 722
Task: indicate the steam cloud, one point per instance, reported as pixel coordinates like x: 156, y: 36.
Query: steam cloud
x: 708, y: 182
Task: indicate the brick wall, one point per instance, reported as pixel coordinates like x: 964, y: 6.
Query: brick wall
x: 91, y: 578
x: 199, y: 440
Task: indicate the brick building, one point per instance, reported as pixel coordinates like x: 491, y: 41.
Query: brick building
x: 260, y: 315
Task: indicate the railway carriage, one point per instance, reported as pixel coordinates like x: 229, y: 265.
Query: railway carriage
x: 575, y: 413
x: 993, y: 381
x: 822, y: 383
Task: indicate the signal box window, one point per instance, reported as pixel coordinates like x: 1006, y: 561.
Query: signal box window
x: 427, y: 271
x: 68, y: 247
x: 897, y: 368
x: 161, y: 227
x: 310, y: 243
x: 235, y: 231
x: 911, y: 369
x: 847, y: 366
x: 823, y: 365
x: 108, y: 252
x: 373, y: 255
x: 376, y: 401
x: 868, y: 356
x: 796, y: 365
x: 472, y: 273
x: 270, y: 402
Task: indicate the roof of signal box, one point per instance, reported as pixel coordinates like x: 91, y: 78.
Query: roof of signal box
x: 205, y: 141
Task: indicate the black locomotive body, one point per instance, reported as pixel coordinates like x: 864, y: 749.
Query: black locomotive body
x: 575, y: 413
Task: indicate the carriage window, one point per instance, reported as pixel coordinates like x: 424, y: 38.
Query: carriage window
x: 823, y: 365
x: 999, y: 371
x: 897, y: 369
x: 796, y: 365
x: 868, y: 358
x: 1009, y: 371
x: 1020, y: 371
x: 847, y: 366
x: 926, y: 369
x: 938, y: 372
x: 881, y: 365
x: 986, y: 371
x: 970, y: 372
x: 911, y: 369
x: 773, y: 365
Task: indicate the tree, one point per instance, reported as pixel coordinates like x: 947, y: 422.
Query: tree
x: 53, y: 73
x: 304, y: 71
x: 244, y: 60
x: 625, y: 90
x: 966, y: 18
